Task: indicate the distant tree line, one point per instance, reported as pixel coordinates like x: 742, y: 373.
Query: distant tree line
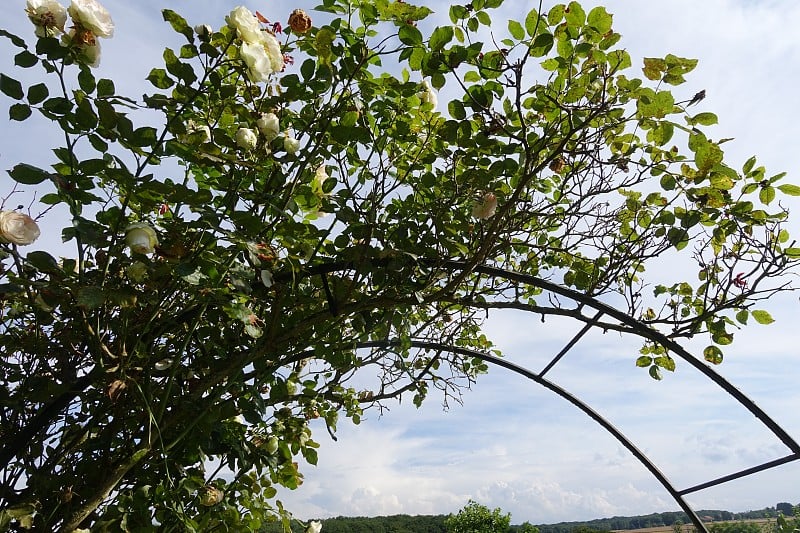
x: 662, y: 519
x: 437, y: 523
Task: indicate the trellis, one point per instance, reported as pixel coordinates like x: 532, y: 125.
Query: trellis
x: 641, y: 329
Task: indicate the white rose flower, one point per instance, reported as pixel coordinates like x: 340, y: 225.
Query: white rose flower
x: 90, y: 15
x: 273, y: 49
x: 141, y: 238
x: 18, y: 228
x: 246, y: 25
x: 255, y: 56
x: 486, y: 207
x: 48, y: 16
x: 290, y: 144
x: 319, y: 180
x: 314, y: 527
x: 269, y: 125
x: 427, y: 95
x: 246, y: 138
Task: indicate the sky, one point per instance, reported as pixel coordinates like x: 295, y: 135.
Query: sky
x: 513, y: 444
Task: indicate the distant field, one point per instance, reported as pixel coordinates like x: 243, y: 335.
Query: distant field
x: 687, y: 528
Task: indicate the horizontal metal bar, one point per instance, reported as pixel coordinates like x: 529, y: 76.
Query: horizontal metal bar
x: 742, y: 473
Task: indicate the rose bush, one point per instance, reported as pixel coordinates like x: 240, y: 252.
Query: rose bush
x: 204, y: 285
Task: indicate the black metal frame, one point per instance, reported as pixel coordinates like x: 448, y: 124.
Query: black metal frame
x: 640, y: 329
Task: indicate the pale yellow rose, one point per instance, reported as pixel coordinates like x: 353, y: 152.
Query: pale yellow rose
x: 90, y: 15
x: 141, y: 238
x: 246, y: 24
x: 18, y: 228
x: 427, y: 95
x: 48, y: 16
x: 269, y: 125
x: 255, y: 56
x: 246, y: 138
x: 290, y: 144
x: 273, y: 48
x: 486, y: 207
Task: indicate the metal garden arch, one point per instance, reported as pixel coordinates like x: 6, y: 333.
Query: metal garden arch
x: 601, y: 309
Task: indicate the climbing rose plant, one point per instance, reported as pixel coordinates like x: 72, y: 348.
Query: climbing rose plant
x: 348, y: 194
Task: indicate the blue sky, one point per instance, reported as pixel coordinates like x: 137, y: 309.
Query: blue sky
x: 512, y: 444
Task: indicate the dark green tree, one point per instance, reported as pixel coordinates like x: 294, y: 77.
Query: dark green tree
x: 477, y: 518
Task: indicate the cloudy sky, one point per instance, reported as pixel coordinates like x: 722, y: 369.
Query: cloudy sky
x: 512, y: 444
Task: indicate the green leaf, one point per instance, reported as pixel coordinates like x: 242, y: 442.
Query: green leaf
x: 57, y: 105
x: 11, y: 87
x: 516, y: 30
x: 555, y: 14
x: 28, y: 174
x: 90, y: 297
x: 160, y: 79
x: 749, y: 164
x: 410, y: 36
x: 788, y: 188
x: 37, y: 93
x: 575, y: 15
x: 472, y: 76
x: 105, y: 88
x: 644, y: 361
x: 600, y: 20
x: 666, y: 362
x: 178, y: 24
x: 742, y: 315
x: 721, y: 182
x: 542, y: 44
x: 17, y: 41
x: 307, y: 69
x: 19, y: 112
x: 25, y: 59
x: 86, y: 81
x: 654, y: 67
x: 704, y: 119
x: 532, y: 23
x: 766, y: 194
x: 713, y: 355
x: 145, y: 136
x: 456, y: 110
x: 762, y: 317
x: 42, y: 261
x: 440, y: 37
x: 655, y: 373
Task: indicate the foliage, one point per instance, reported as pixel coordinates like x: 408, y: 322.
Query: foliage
x: 734, y: 527
x: 377, y: 524
x: 477, y: 518
x: 237, y: 261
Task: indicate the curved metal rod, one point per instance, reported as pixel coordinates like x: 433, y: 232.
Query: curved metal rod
x: 647, y: 332
x: 574, y: 400
x: 639, y: 327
